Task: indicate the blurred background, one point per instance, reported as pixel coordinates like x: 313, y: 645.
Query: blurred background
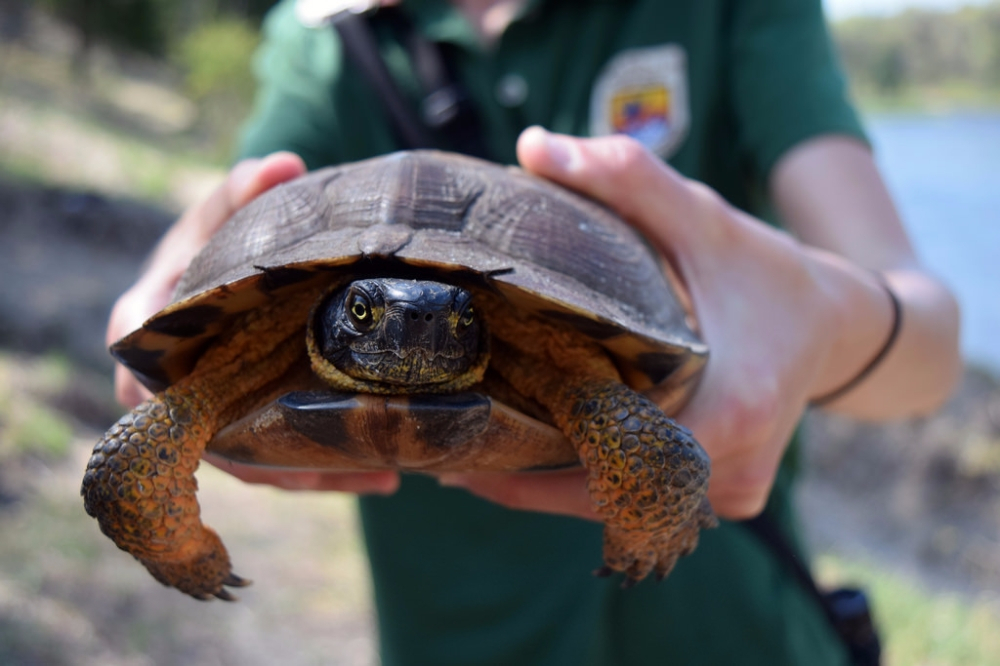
x: 117, y: 114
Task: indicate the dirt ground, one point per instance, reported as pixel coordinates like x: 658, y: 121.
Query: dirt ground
x: 922, y: 496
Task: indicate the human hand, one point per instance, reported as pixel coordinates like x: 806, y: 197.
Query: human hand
x: 770, y: 309
x: 153, y: 290
x: 383, y: 482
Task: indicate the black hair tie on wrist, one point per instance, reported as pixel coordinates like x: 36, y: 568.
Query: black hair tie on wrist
x: 897, y: 324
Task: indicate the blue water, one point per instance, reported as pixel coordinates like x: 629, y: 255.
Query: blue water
x: 944, y: 172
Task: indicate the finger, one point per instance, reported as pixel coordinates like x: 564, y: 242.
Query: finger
x: 563, y: 493
x: 129, y: 312
x: 128, y: 391
x: 738, y: 494
x: 246, y: 181
x: 272, y: 170
x: 153, y: 290
x: 621, y: 173
x: 362, y: 483
x: 746, y: 448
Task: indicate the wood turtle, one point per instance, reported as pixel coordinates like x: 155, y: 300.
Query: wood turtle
x: 420, y: 311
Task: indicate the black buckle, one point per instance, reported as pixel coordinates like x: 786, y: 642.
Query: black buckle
x: 850, y: 614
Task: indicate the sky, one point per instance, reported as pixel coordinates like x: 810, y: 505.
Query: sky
x: 838, y: 9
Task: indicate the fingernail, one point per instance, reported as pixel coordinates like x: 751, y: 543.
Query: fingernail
x: 561, y: 150
x: 243, y: 173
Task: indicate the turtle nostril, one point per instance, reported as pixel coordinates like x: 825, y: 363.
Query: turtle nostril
x: 414, y: 316
x: 428, y: 317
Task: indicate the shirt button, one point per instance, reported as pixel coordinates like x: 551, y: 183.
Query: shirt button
x: 511, y: 90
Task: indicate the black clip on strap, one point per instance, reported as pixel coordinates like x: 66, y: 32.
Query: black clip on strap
x: 847, y: 609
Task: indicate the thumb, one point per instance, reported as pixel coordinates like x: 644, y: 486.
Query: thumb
x: 251, y: 177
x: 622, y: 174
x: 246, y: 181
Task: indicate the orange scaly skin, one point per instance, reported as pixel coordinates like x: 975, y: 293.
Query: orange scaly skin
x: 648, y: 477
x: 140, y: 482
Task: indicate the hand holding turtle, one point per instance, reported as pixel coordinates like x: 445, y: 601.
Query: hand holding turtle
x: 178, y: 247
x: 779, y: 311
x: 347, y: 334
x: 247, y: 180
x: 774, y: 312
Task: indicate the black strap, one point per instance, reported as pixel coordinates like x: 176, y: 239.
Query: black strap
x: 359, y: 45
x: 447, y: 118
x: 847, y: 609
x: 447, y: 113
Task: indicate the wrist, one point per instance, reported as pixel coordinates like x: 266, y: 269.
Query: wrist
x: 865, y: 326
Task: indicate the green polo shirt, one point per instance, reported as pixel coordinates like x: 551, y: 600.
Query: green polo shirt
x: 462, y: 581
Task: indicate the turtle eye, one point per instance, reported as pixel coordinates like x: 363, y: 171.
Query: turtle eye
x: 360, y: 309
x: 468, y: 316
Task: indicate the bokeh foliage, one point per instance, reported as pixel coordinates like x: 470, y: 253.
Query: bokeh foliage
x: 210, y: 42
x: 215, y: 57
x: 150, y: 26
x: 923, y: 49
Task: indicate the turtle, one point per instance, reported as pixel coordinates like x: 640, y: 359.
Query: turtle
x: 421, y: 311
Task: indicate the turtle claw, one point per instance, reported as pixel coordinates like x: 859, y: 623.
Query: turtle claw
x: 603, y: 572
x: 232, y: 580
x: 629, y: 582
x: 204, y: 574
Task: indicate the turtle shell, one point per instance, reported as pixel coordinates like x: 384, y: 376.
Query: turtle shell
x: 443, y: 216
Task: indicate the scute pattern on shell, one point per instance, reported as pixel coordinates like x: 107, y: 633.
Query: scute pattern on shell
x: 548, y: 250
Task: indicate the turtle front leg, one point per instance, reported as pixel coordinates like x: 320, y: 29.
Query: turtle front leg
x: 648, y: 477
x: 140, y: 483
x: 140, y: 486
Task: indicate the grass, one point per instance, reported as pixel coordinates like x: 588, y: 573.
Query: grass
x: 42, y: 431
x: 920, y: 627
x: 59, y: 147
x: 29, y: 426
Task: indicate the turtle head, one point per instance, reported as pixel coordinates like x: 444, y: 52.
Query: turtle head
x: 388, y: 335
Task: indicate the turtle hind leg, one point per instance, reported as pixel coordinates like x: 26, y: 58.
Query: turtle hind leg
x: 140, y: 486
x: 648, y: 477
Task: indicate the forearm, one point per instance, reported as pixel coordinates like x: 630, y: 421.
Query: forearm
x: 833, y: 199
x: 922, y: 364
